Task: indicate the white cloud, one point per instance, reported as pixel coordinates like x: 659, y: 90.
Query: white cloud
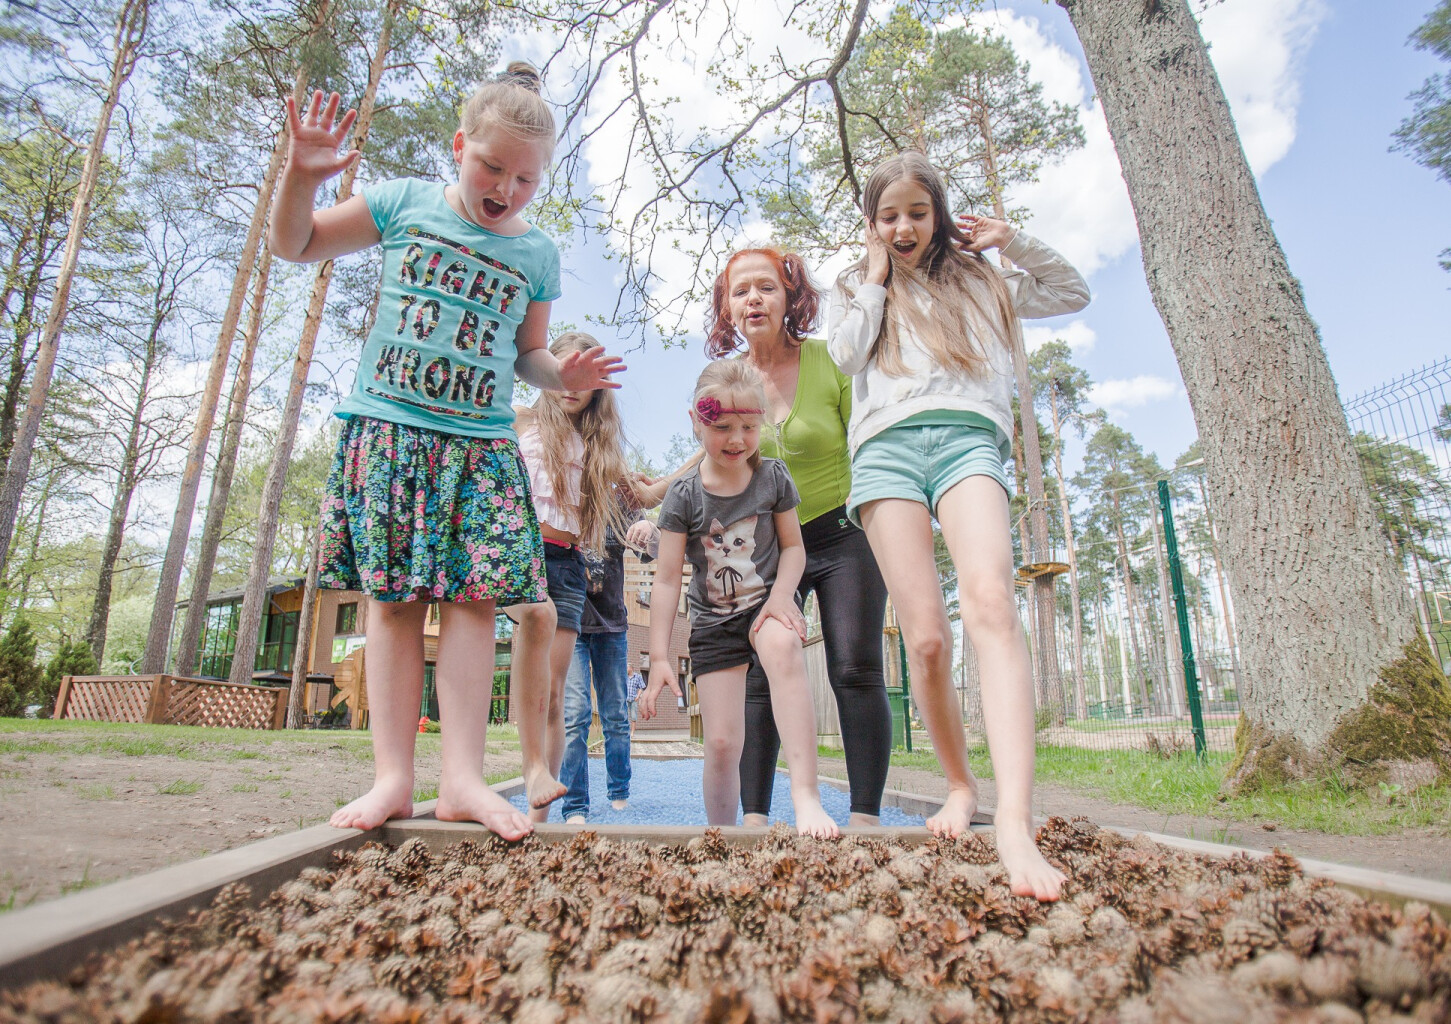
x: 1080, y: 205
x: 1116, y: 396
x: 1079, y: 336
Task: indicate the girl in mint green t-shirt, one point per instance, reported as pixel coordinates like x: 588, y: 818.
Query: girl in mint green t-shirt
x: 427, y: 500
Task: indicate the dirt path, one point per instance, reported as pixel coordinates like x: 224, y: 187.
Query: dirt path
x: 79, y: 807
x: 1424, y: 853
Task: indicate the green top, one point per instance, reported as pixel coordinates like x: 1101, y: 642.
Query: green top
x: 811, y: 440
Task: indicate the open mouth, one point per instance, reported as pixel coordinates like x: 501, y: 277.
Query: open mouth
x: 904, y: 248
x: 494, y: 208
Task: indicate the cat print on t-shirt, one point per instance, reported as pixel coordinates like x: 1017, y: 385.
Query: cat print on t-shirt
x: 733, y: 584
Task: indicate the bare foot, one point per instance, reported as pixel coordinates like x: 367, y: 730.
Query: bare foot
x: 812, y: 820
x: 860, y: 820
x: 385, y: 800
x: 755, y: 820
x: 955, y: 818
x: 473, y: 801
x: 1029, y: 874
x: 619, y: 805
x: 576, y: 819
x: 542, y: 787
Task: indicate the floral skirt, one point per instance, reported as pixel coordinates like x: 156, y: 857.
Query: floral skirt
x: 415, y: 514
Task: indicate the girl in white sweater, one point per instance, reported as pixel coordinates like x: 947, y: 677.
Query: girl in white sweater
x: 924, y: 324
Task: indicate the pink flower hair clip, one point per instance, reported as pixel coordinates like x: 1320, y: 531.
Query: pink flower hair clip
x: 708, y: 410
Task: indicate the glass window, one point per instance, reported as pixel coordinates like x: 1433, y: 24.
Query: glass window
x: 347, y: 621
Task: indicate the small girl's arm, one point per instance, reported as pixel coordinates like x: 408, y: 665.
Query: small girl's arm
x: 579, y: 371
x: 664, y: 599
x: 781, y: 602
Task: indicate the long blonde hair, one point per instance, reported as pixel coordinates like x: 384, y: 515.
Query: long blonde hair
x: 967, y: 294
x: 600, y: 428
x: 510, y: 102
x: 733, y: 383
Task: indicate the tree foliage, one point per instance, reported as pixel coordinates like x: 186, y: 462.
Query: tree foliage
x: 1426, y: 133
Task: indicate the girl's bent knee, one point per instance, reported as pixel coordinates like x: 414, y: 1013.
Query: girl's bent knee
x: 930, y: 647
x: 727, y: 748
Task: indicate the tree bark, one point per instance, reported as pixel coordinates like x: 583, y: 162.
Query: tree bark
x: 1322, y: 608
x: 250, y: 619
x: 130, y: 31
x: 1080, y: 696
x: 1223, y: 592
x: 306, y: 624
x: 163, y: 609
x: 126, y: 481
x: 201, y: 580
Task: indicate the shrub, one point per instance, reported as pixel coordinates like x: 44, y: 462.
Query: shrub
x: 73, y: 658
x: 20, y: 676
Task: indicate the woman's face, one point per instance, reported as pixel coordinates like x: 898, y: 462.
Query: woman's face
x: 756, y: 300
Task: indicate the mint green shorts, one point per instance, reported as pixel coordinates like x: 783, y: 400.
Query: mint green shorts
x: 921, y: 461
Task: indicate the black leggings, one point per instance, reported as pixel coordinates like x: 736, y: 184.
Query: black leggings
x: 852, y: 599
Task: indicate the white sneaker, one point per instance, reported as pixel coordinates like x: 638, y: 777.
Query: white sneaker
x: 575, y: 819
x: 619, y: 805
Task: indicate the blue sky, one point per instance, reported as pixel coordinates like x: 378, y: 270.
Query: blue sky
x: 1317, y: 87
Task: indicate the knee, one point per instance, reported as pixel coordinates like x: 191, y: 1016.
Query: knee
x: 776, y: 643
x: 988, y: 604
x: 931, y: 646
x: 537, y: 619
x: 724, y: 748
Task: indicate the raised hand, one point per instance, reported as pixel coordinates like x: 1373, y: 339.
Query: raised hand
x: 589, y: 370
x: 315, y: 138
x: 983, y: 232
x: 879, y: 263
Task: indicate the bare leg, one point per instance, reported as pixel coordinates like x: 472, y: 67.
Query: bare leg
x: 859, y: 820
x: 900, y: 533
x: 756, y: 820
x: 722, y: 698
x: 465, y: 680
x: 529, y: 682
x: 561, y: 651
x: 974, y: 517
x: 779, y: 649
x: 394, y: 662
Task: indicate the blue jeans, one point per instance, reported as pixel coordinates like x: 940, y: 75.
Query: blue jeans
x: 601, y: 656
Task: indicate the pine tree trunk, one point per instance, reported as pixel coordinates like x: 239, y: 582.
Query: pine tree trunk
x: 1322, y: 607
x: 306, y: 625
x: 250, y: 619
x: 130, y: 31
x: 125, y: 488
x: 201, y: 580
x: 163, y: 609
x: 1223, y: 592
x: 1080, y: 695
x: 1169, y: 628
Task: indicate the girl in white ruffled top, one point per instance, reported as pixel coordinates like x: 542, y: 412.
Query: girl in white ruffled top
x: 573, y: 447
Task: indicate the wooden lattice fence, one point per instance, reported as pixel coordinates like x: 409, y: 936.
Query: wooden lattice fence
x: 172, y: 700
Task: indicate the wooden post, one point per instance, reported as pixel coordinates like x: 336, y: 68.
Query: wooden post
x: 279, y: 713
x: 160, y: 692
x: 61, y: 697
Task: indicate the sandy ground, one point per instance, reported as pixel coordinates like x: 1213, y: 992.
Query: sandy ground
x: 72, y: 817
x: 83, y: 806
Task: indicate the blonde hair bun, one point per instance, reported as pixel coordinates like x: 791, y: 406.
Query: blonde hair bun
x: 512, y: 103
x: 522, y: 73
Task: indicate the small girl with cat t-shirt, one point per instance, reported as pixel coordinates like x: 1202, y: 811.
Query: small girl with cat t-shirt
x: 734, y: 517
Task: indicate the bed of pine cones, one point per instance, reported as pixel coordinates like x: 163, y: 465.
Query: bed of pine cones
x: 789, y: 930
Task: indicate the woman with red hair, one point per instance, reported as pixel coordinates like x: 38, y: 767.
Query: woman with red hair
x: 764, y: 301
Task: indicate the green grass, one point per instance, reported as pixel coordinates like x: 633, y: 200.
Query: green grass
x: 1185, y: 785
x: 244, y: 787
x: 95, y: 792
x: 84, y: 882
x: 180, y: 787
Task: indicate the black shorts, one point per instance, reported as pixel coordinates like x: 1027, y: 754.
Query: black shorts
x: 722, y: 645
